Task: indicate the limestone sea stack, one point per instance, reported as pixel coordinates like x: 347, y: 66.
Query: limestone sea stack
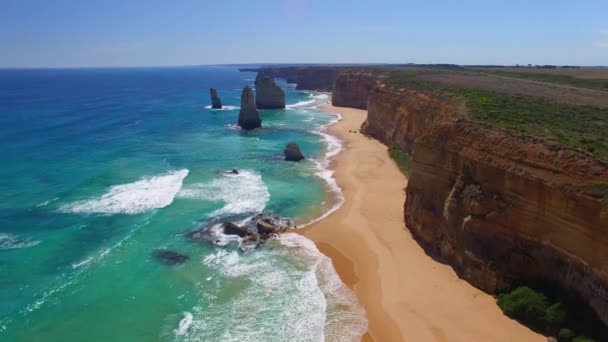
x: 268, y: 95
x: 216, y: 103
x: 249, y: 118
x: 292, y: 152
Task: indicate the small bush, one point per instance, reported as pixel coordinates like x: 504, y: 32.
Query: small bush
x: 525, y: 305
x: 403, y: 160
x: 565, y: 335
x: 583, y: 338
x: 555, y: 315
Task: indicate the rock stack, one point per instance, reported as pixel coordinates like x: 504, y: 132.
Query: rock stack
x: 268, y: 95
x: 216, y: 103
x: 249, y: 118
x: 292, y: 152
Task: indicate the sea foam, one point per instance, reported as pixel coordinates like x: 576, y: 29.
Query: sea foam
x: 225, y: 107
x: 288, y: 291
x: 133, y: 198
x: 241, y: 193
x: 10, y: 241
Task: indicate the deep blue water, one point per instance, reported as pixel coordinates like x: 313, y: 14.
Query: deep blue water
x: 102, y: 166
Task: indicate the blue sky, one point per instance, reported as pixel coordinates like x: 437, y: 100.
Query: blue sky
x: 76, y: 33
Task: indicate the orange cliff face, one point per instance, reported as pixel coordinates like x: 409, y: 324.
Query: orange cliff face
x: 501, y: 209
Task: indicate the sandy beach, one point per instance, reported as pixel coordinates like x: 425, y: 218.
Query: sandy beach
x: 407, y: 295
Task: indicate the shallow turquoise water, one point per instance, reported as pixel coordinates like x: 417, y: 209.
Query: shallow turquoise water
x: 103, y: 166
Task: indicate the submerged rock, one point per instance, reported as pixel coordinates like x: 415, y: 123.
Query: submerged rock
x: 249, y: 118
x: 216, y: 102
x: 170, y: 258
x: 268, y: 95
x: 292, y: 152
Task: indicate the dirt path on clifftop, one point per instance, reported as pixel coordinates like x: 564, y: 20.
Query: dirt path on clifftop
x: 407, y: 295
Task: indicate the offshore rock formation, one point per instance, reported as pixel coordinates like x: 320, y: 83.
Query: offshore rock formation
x: 292, y: 152
x: 502, y: 209
x: 216, y: 103
x: 249, y: 118
x: 268, y: 95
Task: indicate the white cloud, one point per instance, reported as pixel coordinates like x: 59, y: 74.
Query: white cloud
x: 602, y: 31
x: 601, y: 44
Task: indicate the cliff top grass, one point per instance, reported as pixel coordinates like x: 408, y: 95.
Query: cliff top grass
x: 575, y: 126
x: 590, y: 78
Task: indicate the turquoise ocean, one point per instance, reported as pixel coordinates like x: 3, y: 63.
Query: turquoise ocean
x: 101, y: 167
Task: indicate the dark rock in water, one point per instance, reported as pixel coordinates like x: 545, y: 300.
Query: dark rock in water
x: 234, y: 172
x: 234, y: 229
x: 249, y: 236
x: 169, y: 257
x: 292, y: 152
x: 249, y: 118
x: 216, y: 103
x: 268, y: 95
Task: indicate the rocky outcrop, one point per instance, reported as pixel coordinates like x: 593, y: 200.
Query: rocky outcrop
x: 268, y: 95
x: 216, y: 103
x: 501, y: 208
x: 352, y: 89
x: 169, y: 258
x: 249, y: 118
x: 250, y: 235
x: 292, y: 152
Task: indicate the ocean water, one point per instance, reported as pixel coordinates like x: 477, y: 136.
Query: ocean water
x: 100, y: 167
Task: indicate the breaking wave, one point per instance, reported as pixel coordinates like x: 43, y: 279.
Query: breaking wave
x: 287, y: 292
x: 133, y: 198
x: 241, y: 193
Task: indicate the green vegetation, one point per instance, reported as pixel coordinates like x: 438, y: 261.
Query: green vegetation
x: 532, y: 308
x: 597, y: 189
x: 402, y: 158
x: 578, y: 127
x: 565, y: 335
x: 571, y: 126
x: 589, y: 83
x: 537, y: 311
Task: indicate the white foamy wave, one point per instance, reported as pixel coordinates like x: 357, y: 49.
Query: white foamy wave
x: 334, y: 146
x: 226, y: 107
x: 301, y: 103
x: 321, y: 96
x: 133, y: 198
x: 82, y: 262
x: 241, y: 193
x: 290, y: 284
x: 184, y: 324
x: 10, y: 241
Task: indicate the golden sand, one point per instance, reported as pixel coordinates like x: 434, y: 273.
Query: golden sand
x: 407, y: 295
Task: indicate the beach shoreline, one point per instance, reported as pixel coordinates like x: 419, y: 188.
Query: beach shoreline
x: 405, y: 293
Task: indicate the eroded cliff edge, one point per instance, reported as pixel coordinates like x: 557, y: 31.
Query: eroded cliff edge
x: 502, y: 208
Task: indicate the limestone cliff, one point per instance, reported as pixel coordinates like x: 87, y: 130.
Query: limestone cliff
x: 501, y: 208
x: 306, y: 78
x: 351, y: 89
x: 249, y: 118
x: 268, y: 95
